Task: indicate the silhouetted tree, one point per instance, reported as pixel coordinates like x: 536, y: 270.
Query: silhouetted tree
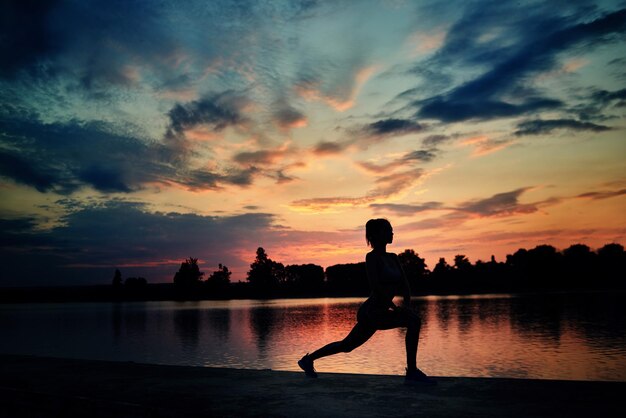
x: 135, y: 287
x: 189, y: 274
x: 348, y: 279
x: 415, y: 269
x: 441, y: 275
x: 219, y: 280
x: 579, y: 265
x: 612, y: 264
x: 442, y: 267
x: 265, y: 275
x: 117, y: 279
x: 304, y: 279
x: 462, y: 263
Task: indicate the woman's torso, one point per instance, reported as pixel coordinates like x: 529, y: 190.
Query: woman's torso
x: 389, y: 276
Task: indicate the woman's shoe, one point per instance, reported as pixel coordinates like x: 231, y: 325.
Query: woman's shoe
x: 418, y: 377
x: 306, y: 364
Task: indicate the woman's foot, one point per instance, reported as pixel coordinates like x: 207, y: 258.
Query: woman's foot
x: 418, y: 376
x: 306, y: 364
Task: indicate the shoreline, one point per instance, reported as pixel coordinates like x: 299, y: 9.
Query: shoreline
x: 43, y: 295
x: 42, y: 386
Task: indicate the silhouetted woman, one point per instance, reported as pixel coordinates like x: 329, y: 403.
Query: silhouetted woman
x: 378, y: 312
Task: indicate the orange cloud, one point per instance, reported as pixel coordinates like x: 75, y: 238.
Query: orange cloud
x: 484, y: 145
x: 387, y: 186
x: 424, y: 42
x: 311, y: 91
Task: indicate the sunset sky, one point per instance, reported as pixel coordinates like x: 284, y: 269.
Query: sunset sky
x: 134, y: 134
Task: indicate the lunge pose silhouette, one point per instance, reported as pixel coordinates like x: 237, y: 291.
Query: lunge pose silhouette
x: 378, y: 312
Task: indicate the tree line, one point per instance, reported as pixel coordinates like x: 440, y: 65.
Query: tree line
x: 538, y: 269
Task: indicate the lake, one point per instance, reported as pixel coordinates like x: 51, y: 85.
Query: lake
x: 573, y: 336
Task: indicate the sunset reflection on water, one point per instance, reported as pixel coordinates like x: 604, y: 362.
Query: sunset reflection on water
x: 558, y: 336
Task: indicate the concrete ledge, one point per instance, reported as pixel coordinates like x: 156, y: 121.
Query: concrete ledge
x: 52, y: 387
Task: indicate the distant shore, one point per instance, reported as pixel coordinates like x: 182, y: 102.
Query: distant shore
x: 43, y: 387
x: 168, y: 292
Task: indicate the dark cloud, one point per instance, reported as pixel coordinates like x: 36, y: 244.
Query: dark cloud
x: 216, y: 111
x: 287, y: 117
x: 594, y: 106
x: 435, y: 140
x: 23, y: 171
x: 501, y: 204
x: 96, y: 239
x: 539, y: 126
x: 63, y: 157
x: 452, y: 110
x: 25, y: 34
x: 103, y: 179
x: 605, y: 98
x: 405, y: 210
x: 261, y: 157
x: 423, y: 156
x: 391, y: 127
x: 602, y: 194
x: 539, y: 40
x: 392, y: 184
x: 328, y: 148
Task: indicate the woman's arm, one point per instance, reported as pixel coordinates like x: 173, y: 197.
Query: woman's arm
x: 406, y: 289
x: 373, y: 276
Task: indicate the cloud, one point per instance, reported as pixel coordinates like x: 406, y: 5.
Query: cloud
x: 286, y: 117
x: 260, y: 157
x: 435, y: 140
x: 606, y: 98
x: 450, y: 109
x: 23, y: 171
x: 423, y: 156
x: 539, y: 126
x: 328, y: 148
x: 216, y: 111
x: 500, y: 204
x: 484, y: 145
x: 405, y: 209
x: 396, y: 183
x: 391, y: 127
x: 539, y: 41
x: 338, y: 89
x: 26, y: 39
x: 385, y: 187
x: 64, y: 157
x: 603, y: 194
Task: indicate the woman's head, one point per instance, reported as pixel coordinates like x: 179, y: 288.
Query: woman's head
x: 378, y: 232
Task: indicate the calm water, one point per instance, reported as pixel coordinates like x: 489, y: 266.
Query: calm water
x: 558, y: 336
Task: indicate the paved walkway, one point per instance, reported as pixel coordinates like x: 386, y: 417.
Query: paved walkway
x: 47, y: 387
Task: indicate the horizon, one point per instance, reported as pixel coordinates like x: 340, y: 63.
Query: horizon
x: 133, y: 136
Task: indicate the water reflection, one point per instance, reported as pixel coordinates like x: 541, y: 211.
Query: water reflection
x: 559, y: 336
x: 219, y: 321
x: 187, y: 324
x: 262, y: 322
